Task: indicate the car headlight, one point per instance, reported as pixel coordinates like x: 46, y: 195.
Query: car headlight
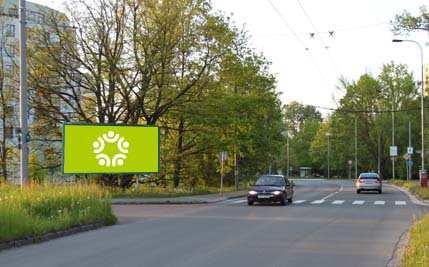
x: 253, y: 192
x: 277, y: 193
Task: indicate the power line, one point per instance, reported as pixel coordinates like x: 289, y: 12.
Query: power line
x: 299, y: 40
x: 334, y: 64
x: 342, y: 110
x: 287, y: 25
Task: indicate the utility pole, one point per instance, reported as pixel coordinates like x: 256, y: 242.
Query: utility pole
x: 409, y: 168
x: 23, y: 96
x: 329, y: 154
x: 356, y: 162
x: 287, y: 157
x: 393, y: 131
x: 379, y: 154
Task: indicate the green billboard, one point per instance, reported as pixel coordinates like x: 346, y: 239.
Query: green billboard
x: 92, y: 149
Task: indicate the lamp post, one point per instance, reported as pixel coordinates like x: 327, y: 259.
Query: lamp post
x: 423, y: 176
x: 329, y: 154
x: 23, y: 96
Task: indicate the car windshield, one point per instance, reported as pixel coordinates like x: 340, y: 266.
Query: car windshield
x: 368, y: 176
x: 271, y: 180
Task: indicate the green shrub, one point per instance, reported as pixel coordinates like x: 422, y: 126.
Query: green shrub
x: 39, y: 209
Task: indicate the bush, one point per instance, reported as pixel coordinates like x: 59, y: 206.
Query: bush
x: 39, y: 209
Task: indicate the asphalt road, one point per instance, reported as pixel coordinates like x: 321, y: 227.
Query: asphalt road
x: 327, y: 225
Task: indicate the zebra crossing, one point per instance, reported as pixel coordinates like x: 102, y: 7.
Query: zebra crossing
x: 337, y: 202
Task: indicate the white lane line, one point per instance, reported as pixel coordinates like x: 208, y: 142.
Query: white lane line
x: 338, y: 202
x: 334, y: 193
x: 320, y: 201
x: 379, y: 202
x: 399, y: 203
x: 298, y: 201
x: 239, y: 201
x: 358, y: 202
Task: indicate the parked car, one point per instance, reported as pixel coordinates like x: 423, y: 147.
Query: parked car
x: 271, y: 188
x: 369, y: 182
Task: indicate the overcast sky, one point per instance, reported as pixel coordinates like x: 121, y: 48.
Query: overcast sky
x: 308, y: 68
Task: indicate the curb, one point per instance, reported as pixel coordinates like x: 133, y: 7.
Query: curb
x: 171, y: 202
x: 49, y: 236
x: 416, y: 200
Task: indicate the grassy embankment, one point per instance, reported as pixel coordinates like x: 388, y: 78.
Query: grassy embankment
x: 40, y: 209
x: 145, y: 191
x: 417, y: 250
x: 414, y: 187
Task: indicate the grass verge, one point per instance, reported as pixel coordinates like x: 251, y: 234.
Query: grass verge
x: 417, y: 250
x: 39, y: 209
x: 145, y: 191
x: 414, y: 187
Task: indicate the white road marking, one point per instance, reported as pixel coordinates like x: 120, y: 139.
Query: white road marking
x: 298, y: 201
x: 320, y: 201
x: 379, y: 202
x: 338, y: 202
x: 400, y: 203
x: 334, y: 193
x: 358, y: 202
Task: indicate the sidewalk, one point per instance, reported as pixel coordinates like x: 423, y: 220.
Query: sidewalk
x: 198, y: 199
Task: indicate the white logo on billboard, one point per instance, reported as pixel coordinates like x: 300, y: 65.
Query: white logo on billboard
x: 111, y: 138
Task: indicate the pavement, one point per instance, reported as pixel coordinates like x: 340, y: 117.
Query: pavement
x: 198, y: 199
x: 327, y: 225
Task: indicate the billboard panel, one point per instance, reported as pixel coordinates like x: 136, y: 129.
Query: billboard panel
x: 89, y: 148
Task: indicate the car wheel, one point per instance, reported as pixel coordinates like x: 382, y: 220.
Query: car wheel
x: 250, y: 203
x: 358, y: 191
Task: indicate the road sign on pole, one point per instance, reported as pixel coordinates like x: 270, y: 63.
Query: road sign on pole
x: 393, y: 151
x: 410, y: 150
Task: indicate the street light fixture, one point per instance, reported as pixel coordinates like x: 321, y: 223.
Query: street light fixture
x: 423, y: 176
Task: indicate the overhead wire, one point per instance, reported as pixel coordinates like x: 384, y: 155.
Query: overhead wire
x: 303, y: 44
x: 322, y: 41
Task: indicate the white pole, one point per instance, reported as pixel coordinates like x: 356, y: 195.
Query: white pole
x: 23, y: 96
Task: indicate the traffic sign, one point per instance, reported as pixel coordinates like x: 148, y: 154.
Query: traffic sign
x: 223, y: 156
x: 393, y: 151
x: 410, y: 150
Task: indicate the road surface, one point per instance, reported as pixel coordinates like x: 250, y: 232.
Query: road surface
x: 327, y: 225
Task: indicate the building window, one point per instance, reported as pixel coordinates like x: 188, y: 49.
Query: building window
x: 37, y: 17
x: 10, y: 30
x: 9, y: 132
x: 10, y: 50
x: 8, y: 69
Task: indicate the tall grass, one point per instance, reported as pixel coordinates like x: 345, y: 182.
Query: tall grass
x: 146, y: 191
x: 417, y: 251
x: 39, y: 209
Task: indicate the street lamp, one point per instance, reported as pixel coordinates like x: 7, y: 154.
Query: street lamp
x: 329, y: 154
x: 423, y: 177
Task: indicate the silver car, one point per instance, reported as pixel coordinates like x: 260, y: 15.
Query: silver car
x: 368, y: 182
